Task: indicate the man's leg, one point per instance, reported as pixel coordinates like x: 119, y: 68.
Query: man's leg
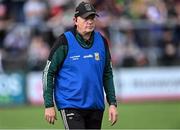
x: 72, y: 119
x: 94, y: 119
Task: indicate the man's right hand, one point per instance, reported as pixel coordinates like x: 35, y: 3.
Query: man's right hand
x: 50, y: 115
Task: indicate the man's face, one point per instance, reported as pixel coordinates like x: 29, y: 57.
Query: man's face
x: 86, y: 25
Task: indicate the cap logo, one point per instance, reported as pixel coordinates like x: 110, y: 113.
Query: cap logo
x: 88, y: 7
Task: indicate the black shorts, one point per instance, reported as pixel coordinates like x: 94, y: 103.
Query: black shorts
x: 82, y: 119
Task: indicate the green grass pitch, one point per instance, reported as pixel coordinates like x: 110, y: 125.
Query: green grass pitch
x: 164, y: 115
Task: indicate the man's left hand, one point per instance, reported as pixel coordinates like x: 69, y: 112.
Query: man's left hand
x: 113, y: 114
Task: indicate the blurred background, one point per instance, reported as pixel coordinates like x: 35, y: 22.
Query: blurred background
x: 144, y: 40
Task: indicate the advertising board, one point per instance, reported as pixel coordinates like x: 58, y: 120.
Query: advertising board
x: 12, y: 89
x: 139, y: 84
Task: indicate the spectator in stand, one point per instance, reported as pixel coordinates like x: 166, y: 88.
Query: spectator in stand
x: 16, y: 43
x: 38, y: 52
x: 60, y: 14
x: 35, y: 12
x: 168, y: 48
x: 4, y: 21
x: 156, y: 11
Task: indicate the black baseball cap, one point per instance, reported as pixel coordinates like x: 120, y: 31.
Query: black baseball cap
x: 84, y: 10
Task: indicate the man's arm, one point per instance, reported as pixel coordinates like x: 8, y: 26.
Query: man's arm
x: 108, y: 77
x: 56, y: 58
x: 54, y: 63
x: 109, y: 86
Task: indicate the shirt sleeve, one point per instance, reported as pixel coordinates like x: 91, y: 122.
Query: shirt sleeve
x: 56, y: 58
x: 108, y: 77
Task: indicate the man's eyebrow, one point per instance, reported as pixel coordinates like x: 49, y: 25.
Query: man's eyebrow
x: 90, y: 17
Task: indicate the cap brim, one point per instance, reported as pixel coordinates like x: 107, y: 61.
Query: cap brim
x: 88, y: 14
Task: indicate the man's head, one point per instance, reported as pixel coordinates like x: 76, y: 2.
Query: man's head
x: 84, y: 17
x: 85, y: 9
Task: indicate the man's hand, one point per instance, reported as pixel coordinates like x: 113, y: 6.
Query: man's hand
x: 113, y: 115
x: 50, y: 115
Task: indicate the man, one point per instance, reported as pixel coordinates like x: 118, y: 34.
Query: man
x: 77, y: 71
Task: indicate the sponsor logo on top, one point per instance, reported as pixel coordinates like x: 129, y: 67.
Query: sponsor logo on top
x: 96, y: 54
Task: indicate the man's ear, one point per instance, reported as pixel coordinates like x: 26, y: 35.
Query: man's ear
x: 75, y: 20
